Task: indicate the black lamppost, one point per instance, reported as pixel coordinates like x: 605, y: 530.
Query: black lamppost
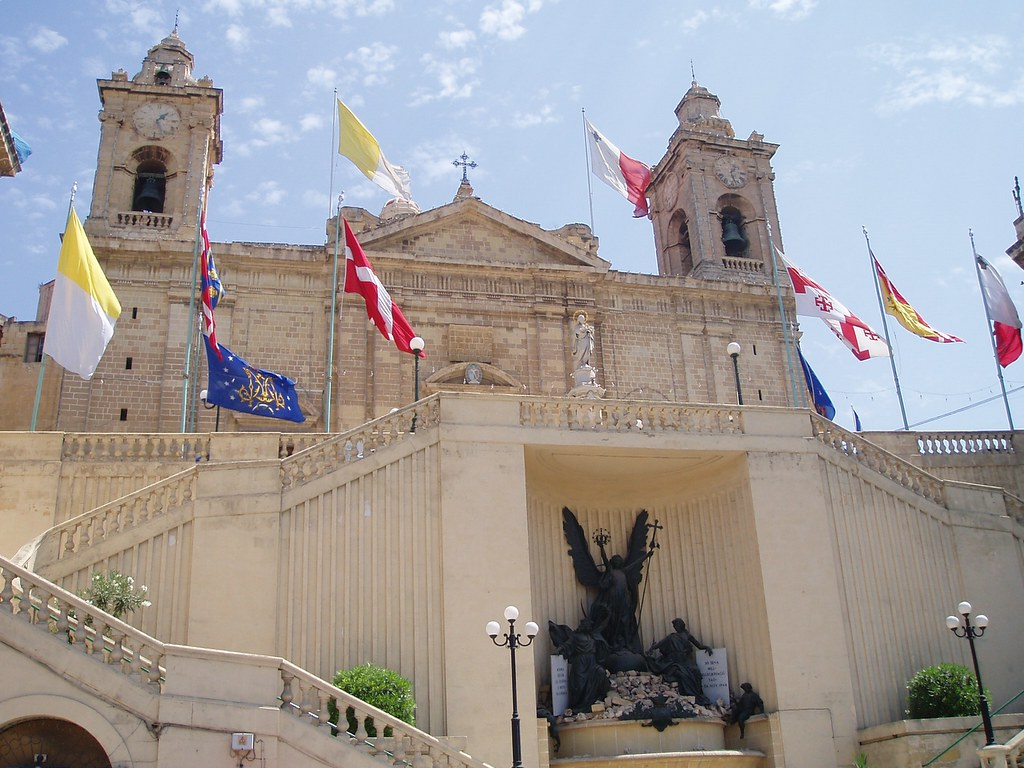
x: 210, y: 407
x: 734, y: 352
x: 416, y: 344
x: 964, y: 628
x: 512, y: 642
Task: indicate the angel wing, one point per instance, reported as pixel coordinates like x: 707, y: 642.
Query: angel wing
x: 582, y: 561
x: 636, y: 554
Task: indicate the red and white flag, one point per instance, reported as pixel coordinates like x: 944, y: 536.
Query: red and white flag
x: 385, y: 314
x: 619, y: 171
x: 1005, y: 320
x: 814, y: 301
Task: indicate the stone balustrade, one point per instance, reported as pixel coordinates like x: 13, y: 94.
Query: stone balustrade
x: 623, y: 416
x: 68, y: 619
x: 307, y: 697
x: 134, y: 447
x: 72, y: 623
x: 878, y: 460
x: 965, y: 442
x: 326, y: 456
x: 144, y: 220
x: 742, y: 264
x: 80, y: 533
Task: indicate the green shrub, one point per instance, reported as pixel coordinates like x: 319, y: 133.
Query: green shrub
x: 383, y: 688
x: 945, y: 690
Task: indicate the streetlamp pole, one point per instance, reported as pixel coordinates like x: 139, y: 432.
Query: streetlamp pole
x: 207, y: 406
x: 964, y: 628
x: 512, y: 641
x: 416, y: 344
x: 734, y: 352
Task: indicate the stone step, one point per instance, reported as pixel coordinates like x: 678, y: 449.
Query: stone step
x: 712, y: 758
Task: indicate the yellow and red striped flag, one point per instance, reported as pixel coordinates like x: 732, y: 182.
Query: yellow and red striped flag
x: 905, y: 314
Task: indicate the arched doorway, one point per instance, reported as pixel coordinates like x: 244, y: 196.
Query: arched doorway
x: 46, y: 742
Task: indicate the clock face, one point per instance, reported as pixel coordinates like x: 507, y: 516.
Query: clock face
x: 156, y: 121
x: 730, y: 172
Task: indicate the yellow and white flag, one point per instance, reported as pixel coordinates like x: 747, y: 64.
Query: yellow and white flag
x: 83, y: 308
x: 357, y: 144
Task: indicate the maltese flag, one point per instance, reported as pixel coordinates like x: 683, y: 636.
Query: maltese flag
x: 385, y: 314
x: 1005, y: 320
x: 620, y: 172
x: 814, y: 301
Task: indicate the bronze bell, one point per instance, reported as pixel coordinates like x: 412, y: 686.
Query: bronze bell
x: 149, y: 195
x: 735, y: 242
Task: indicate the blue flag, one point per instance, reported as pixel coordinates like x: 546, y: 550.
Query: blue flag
x: 236, y: 385
x: 822, y: 402
x: 856, y: 420
x: 21, y: 147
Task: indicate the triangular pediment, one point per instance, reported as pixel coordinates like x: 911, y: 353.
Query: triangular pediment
x: 469, y: 231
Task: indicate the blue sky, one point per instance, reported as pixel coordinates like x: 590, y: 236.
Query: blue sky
x: 901, y: 117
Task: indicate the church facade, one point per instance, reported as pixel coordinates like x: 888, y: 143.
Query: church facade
x: 823, y: 562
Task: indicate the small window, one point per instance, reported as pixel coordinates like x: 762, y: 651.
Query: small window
x: 754, y: 347
x: 124, y: 414
x: 34, y: 347
x: 127, y: 363
x: 135, y: 313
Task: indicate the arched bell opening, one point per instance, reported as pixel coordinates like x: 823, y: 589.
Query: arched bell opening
x: 49, y: 741
x: 733, y: 236
x: 150, y: 187
x: 678, y: 248
x: 149, y: 193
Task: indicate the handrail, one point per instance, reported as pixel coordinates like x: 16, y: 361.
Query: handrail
x: 346, y: 447
x: 74, y: 624
x: 972, y: 730
x: 879, y: 460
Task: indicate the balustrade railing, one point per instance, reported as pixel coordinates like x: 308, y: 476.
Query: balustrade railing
x: 966, y: 443
x: 134, y: 447
x: 742, y: 264
x: 623, y: 416
x: 355, y: 444
x: 878, y: 460
x: 397, y: 743
x: 153, y: 501
x: 68, y: 619
x: 144, y: 220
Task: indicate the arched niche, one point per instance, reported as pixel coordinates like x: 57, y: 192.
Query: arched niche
x: 678, y: 247
x: 151, y: 171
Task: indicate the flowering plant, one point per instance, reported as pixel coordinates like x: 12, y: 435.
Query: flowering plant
x: 116, y: 593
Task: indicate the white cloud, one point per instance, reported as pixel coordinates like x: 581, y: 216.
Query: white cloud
x: 46, y: 40
x: 251, y: 104
x: 505, y: 20
x: 267, y: 193
x: 376, y: 61
x: 322, y: 76
x: 278, y: 17
x: 459, y: 38
x: 542, y: 116
x: 433, y: 160
x: 237, y: 37
x: 790, y: 9
x: 938, y: 72
x: 455, y: 78
x: 311, y: 122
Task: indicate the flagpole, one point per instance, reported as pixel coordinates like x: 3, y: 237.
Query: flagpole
x: 42, y: 357
x: 334, y: 147
x: 586, y: 156
x: 885, y: 330
x: 328, y: 392
x: 782, y: 318
x: 187, y: 374
x: 991, y: 333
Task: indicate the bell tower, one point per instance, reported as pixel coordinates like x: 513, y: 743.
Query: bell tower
x: 159, y: 141
x: 711, y: 197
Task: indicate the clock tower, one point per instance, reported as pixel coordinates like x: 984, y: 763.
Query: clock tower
x: 712, y: 197
x: 159, y: 141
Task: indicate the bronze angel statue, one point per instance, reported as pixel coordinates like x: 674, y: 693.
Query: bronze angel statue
x: 616, y: 579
